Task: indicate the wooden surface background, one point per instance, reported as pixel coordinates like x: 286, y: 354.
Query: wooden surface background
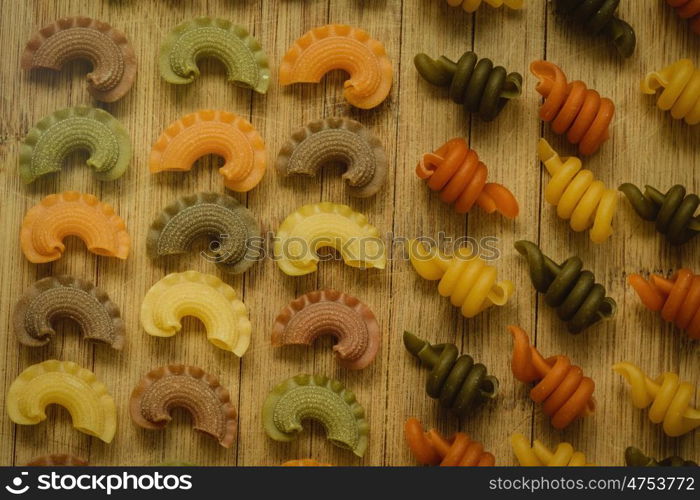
x: 647, y: 146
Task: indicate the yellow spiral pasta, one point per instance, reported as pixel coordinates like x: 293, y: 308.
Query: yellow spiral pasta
x: 539, y: 455
x: 473, y: 5
x: 667, y: 398
x: 579, y: 198
x: 467, y: 280
x: 681, y: 94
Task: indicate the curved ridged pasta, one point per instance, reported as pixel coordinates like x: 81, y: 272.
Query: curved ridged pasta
x: 561, y: 387
x: 66, y: 384
x: 316, y: 397
x: 677, y: 299
x: 107, y: 49
x: 681, y: 89
x: 667, y: 398
x: 578, y: 299
x: 466, y: 279
x: 338, y: 46
x: 59, y: 134
x: 455, y: 381
x: 431, y: 448
x: 579, y: 198
x: 634, y: 457
x: 72, y: 214
x: 472, y: 82
x: 688, y: 9
x: 672, y: 212
x: 473, y: 5
x: 538, y: 455
x: 457, y: 173
x: 216, y: 132
x: 305, y: 462
x: 246, y: 62
x: 325, y: 224
x: 57, y: 460
x: 572, y: 108
x: 203, y: 296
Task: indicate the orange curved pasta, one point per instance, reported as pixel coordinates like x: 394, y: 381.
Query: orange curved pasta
x: 677, y: 298
x: 431, y: 448
x: 572, y: 108
x: 305, y: 462
x: 565, y: 393
x: 212, y: 132
x: 688, y: 9
x: 72, y: 214
x: 456, y: 172
x: 338, y: 46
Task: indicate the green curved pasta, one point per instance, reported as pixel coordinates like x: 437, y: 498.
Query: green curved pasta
x: 81, y: 128
x: 673, y: 211
x: 246, y: 63
x: 635, y: 458
x: 319, y: 398
x: 578, y: 299
x: 456, y: 381
x: 473, y: 82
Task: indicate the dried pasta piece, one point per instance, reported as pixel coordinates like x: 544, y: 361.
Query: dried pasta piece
x: 667, y: 398
x: 466, y: 279
x: 107, y: 49
x: 688, y: 9
x: 432, y: 448
x: 57, y: 460
x: 457, y: 173
x: 672, y: 212
x: 565, y: 393
x: 473, y: 5
x: 316, y: 397
x: 67, y: 297
x: 66, y: 384
x: 305, y: 462
x: 188, y: 387
x: 206, y: 132
x: 572, y: 108
x: 681, y: 89
x: 204, y: 297
x: 72, y: 214
x: 634, y: 457
x: 230, y: 226
x: 246, y: 62
x: 538, y: 455
x: 455, y: 381
x: 338, y: 46
x: 55, y: 136
x: 329, y: 312
x: 319, y: 225
x: 341, y: 140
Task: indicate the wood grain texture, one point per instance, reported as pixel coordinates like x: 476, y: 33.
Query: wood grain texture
x: 646, y: 147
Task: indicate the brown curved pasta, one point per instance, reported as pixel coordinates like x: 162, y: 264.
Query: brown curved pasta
x: 57, y: 460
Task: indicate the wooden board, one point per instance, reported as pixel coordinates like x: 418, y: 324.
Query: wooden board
x: 646, y: 147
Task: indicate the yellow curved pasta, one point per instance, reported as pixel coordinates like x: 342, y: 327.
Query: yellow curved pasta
x: 681, y: 94
x: 66, y: 384
x: 203, y: 296
x: 467, y: 280
x: 539, y: 455
x: 667, y: 397
x: 579, y: 198
x: 319, y: 225
x: 473, y: 5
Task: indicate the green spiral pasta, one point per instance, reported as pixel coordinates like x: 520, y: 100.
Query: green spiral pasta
x: 578, y: 299
x: 473, y: 82
x: 456, y: 381
x: 635, y: 458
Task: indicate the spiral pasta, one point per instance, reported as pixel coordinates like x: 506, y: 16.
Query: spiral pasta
x: 673, y: 212
x: 538, y: 455
x: 562, y: 388
x: 688, y: 9
x: 456, y: 381
x: 681, y: 89
x: 456, y: 172
x: 467, y: 280
x: 667, y: 397
x: 579, y: 198
x: 431, y: 448
x: 473, y: 5
x: 572, y: 108
x: 473, y: 82
x: 634, y: 457
x: 578, y: 299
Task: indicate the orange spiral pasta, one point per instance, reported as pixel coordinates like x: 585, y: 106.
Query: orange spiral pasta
x: 677, y: 298
x: 565, y: 393
x: 688, y: 9
x: 431, y: 448
x: 572, y: 108
x: 456, y: 172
